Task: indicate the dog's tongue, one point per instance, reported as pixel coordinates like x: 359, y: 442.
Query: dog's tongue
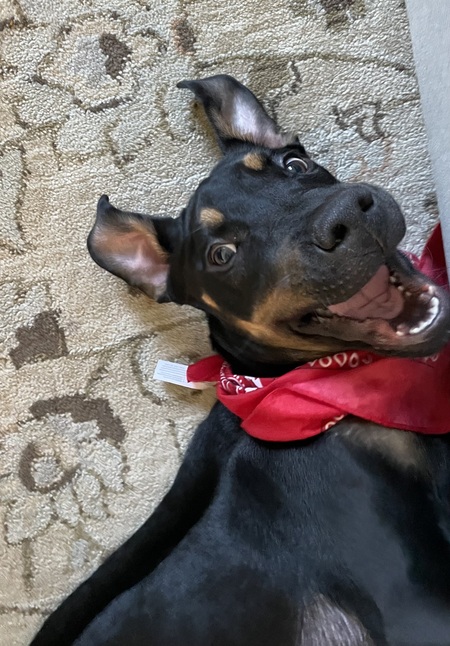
x: 378, y: 299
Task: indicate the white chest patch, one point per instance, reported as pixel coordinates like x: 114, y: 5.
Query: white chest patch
x: 325, y: 624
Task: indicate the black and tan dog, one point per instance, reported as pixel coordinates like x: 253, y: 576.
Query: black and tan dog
x: 340, y: 540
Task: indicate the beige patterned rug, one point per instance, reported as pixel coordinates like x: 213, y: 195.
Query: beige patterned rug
x: 88, y: 441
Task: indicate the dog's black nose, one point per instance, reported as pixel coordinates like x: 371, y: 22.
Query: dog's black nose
x: 342, y: 216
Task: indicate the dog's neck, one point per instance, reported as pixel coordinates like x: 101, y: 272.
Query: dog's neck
x: 245, y: 356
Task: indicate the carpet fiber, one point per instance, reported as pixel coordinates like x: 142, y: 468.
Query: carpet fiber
x: 88, y: 441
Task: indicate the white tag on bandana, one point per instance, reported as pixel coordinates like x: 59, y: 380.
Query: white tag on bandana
x: 176, y: 373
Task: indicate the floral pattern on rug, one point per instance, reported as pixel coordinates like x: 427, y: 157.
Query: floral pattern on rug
x: 89, y: 442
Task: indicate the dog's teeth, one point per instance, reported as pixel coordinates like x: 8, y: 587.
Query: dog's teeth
x: 402, y: 329
x: 407, y: 294
x: 431, y: 290
x: 401, y: 289
x: 418, y: 328
x: 433, y: 311
x: 434, y: 307
x: 424, y: 298
x: 392, y: 279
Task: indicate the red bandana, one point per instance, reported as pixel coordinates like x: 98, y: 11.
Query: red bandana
x: 408, y: 394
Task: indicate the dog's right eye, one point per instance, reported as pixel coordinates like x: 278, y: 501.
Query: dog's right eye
x: 295, y: 165
x: 221, y: 254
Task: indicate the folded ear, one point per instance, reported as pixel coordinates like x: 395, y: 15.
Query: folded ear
x: 236, y: 114
x: 134, y: 247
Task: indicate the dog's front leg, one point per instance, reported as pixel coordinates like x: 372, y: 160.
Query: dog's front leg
x: 184, y: 504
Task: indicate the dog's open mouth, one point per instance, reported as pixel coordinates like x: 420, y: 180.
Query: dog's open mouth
x: 409, y: 309
x: 393, y: 306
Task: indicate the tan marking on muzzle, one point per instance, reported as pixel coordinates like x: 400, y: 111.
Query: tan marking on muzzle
x: 264, y: 326
x: 211, y: 217
x: 210, y: 302
x: 254, y: 161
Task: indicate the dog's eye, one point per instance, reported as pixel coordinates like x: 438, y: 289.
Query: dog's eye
x: 221, y: 254
x: 295, y: 164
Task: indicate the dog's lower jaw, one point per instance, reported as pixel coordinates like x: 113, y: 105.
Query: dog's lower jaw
x: 419, y: 338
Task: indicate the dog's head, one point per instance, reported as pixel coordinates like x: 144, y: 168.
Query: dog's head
x: 289, y: 263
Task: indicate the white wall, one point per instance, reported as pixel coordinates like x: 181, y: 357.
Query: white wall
x: 430, y: 33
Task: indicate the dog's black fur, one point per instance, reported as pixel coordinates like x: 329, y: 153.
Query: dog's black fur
x: 340, y: 540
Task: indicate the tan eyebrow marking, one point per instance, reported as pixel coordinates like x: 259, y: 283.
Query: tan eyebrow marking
x: 211, y: 217
x: 254, y: 161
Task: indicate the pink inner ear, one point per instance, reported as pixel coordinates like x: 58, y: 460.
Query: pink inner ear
x: 135, y: 255
x: 137, y: 259
x: 248, y: 122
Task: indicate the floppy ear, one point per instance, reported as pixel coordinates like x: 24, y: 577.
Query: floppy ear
x: 236, y: 114
x: 134, y: 247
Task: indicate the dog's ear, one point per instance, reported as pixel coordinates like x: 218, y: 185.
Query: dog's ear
x: 236, y: 114
x: 134, y: 247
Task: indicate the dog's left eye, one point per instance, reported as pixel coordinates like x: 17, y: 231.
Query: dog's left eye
x: 221, y: 254
x: 295, y: 165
